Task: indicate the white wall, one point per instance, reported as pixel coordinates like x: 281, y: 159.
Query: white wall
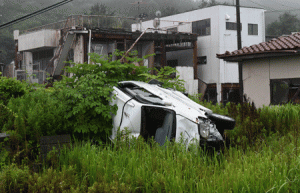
x: 220, y: 40
x: 190, y: 84
x: 257, y: 81
x: 258, y: 73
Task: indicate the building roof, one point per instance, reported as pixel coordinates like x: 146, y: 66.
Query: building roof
x: 281, y: 46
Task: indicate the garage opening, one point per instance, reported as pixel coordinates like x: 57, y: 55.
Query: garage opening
x: 158, y: 123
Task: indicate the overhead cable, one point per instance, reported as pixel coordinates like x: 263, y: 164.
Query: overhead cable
x: 271, y: 10
x: 35, y: 13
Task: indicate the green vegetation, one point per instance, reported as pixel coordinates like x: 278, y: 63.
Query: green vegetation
x: 286, y: 24
x: 135, y: 166
x: 261, y: 153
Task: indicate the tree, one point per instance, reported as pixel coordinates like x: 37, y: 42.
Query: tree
x: 100, y: 9
x: 169, y: 11
x: 7, y: 47
x: 287, y: 23
x: 210, y: 3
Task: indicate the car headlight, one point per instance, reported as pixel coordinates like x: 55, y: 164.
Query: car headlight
x: 204, y: 130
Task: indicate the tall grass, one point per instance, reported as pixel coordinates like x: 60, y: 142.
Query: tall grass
x: 140, y: 167
x: 136, y: 166
x: 263, y: 158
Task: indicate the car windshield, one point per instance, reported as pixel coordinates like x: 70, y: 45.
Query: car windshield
x: 140, y: 94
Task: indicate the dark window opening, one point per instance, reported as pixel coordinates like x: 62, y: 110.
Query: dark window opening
x: 173, y: 64
x: 141, y: 95
x: 211, y: 93
x: 172, y: 30
x: 232, y: 26
x: 42, y: 58
x: 202, y: 27
x: 230, y: 93
x: 42, y: 54
x: 285, y: 90
x: 202, y: 60
x: 252, y: 29
x: 158, y: 123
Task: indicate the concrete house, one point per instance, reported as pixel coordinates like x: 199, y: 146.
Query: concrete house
x: 216, y: 30
x: 271, y: 70
x: 42, y: 51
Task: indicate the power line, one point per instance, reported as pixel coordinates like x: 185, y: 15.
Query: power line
x: 262, y: 6
x: 283, y: 10
x: 34, y: 14
x: 271, y: 10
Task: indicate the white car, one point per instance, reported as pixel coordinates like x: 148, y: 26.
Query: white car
x: 148, y: 110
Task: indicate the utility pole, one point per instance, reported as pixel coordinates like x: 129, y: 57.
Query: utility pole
x: 239, y: 45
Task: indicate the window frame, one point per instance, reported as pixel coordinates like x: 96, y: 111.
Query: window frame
x: 202, y: 60
x: 202, y: 27
x: 292, y: 85
x: 233, y: 25
x: 251, y: 32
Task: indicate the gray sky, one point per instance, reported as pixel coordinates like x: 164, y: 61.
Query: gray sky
x: 273, y: 7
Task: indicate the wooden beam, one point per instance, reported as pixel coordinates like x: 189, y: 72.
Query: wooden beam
x: 163, y: 58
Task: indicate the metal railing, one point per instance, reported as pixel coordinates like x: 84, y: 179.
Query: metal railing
x: 89, y: 21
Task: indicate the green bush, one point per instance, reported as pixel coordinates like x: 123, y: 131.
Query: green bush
x: 35, y: 114
x: 10, y: 87
x: 87, y: 93
x: 14, y: 179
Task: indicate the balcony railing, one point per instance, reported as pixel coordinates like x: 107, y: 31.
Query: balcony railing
x: 90, y: 22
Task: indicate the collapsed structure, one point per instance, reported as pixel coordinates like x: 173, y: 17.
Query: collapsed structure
x: 41, y: 52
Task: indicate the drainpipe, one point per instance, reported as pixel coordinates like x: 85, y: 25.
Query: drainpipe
x: 90, y: 40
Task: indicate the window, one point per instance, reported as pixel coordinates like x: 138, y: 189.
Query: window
x: 285, y: 90
x: 172, y: 30
x: 202, y: 60
x: 202, y: 27
x: 252, y: 29
x: 232, y: 26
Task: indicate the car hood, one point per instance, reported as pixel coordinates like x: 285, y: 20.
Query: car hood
x: 175, y: 100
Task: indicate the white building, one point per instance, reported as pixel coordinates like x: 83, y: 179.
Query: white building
x: 216, y: 29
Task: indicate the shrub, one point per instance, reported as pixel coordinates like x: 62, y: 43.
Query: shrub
x: 14, y: 179
x: 35, y: 114
x: 88, y: 92
x: 10, y: 87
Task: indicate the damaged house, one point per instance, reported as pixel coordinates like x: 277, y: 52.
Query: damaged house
x: 41, y: 52
x: 271, y: 70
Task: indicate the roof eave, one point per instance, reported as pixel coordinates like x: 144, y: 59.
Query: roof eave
x: 244, y: 57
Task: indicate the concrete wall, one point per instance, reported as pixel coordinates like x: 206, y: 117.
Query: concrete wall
x: 79, y: 50
x: 39, y: 39
x: 258, y: 73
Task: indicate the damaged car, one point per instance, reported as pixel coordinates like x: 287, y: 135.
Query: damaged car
x: 148, y: 110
